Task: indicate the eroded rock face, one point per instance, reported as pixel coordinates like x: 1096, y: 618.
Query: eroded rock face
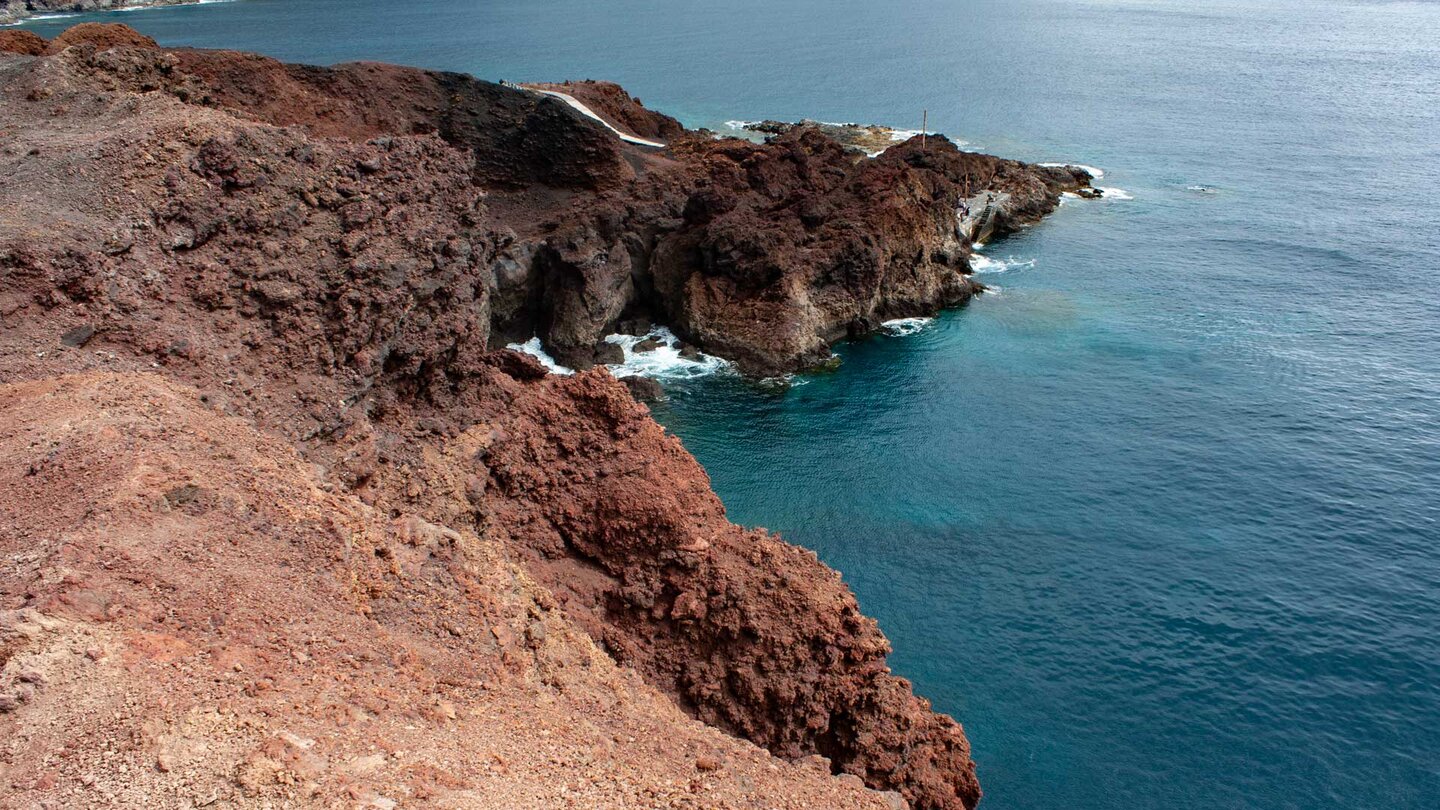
x: 752, y: 634
x: 768, y: 253
x: 332, y: 254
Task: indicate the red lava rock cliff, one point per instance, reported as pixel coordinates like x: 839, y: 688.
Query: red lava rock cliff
x: 319, y: 540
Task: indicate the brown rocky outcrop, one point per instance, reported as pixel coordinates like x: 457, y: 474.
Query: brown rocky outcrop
x: 99, y: 35
x: 26, y: 43
x: 328, y: 257
x: 751, y: 634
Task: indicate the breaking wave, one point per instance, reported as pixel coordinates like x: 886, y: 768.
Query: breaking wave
x: 535, y: 349
x: 900, y: 327
x: 665, y: 361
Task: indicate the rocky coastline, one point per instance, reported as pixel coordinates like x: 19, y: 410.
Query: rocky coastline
x: 14, y: 11
x: 311, y: 536
x: 867, y: 139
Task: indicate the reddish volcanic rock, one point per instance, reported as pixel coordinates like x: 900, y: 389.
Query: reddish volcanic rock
x: 22, y: 42
x: 768, y: 253
x: 196, y: 612
x: 754, y: 635
x: 762, y: 253
x: 333, y: 254
x: 516, y: 139
x: 101, y: 35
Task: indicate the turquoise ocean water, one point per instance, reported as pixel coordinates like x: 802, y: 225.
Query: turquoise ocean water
x: 1158, y: 522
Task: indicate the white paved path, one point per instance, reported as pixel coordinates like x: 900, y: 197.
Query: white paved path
x: 589, y: 113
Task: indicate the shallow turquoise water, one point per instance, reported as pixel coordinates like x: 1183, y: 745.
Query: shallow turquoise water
x: 1158, y: 521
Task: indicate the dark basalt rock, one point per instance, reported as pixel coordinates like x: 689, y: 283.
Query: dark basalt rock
x: 607, y: 353
x: 78, y: 336
x: 643, y: 389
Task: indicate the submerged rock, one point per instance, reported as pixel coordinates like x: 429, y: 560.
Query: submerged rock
x: 643, y: 389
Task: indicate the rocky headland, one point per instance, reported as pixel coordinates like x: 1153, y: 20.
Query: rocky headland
x: 280, y: 524
x: 13, y: 11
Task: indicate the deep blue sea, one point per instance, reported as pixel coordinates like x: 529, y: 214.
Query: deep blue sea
x: 1158, y: 522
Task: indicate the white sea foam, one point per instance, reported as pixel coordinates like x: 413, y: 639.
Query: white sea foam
x: 534, y: 348
x: 900, y: 327
x: 1203, y: 189
x: 35, y: 17
x: 1094, y: 172
x: 984, y: 264
x: 663, y: 362
x: 1114, y: 193
x: 67, y: 14
x: 739, y: 124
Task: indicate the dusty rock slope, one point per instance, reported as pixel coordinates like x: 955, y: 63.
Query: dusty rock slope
x: 197, y: 618
x: 279, y: 524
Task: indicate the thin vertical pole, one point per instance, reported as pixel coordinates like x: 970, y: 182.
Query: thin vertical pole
x: 924, y: 125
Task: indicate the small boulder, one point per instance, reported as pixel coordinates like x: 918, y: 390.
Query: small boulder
x: 643, y: 389
x: 79, y: 336
x: 647, y: 345
x: 607, y: 353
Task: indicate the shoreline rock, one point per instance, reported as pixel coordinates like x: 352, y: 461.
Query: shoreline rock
x: 867, y: 139
x: 13, y: 11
